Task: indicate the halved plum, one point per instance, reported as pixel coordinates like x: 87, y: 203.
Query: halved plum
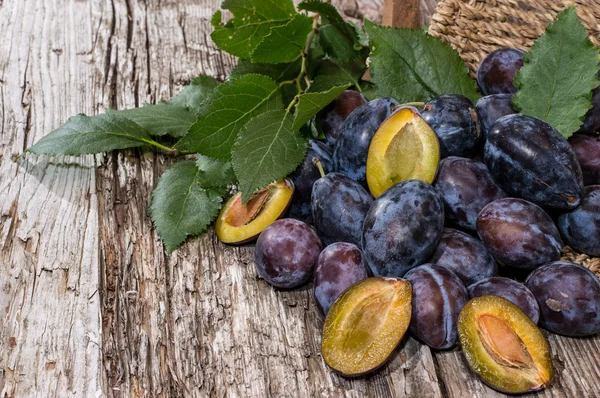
x: 242, y: 222
x: 365, y: 324
x: 403, y: 148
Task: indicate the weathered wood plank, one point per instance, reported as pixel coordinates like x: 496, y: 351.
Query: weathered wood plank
x: 50, y: 325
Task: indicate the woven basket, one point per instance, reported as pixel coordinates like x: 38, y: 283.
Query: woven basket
x: 477, y: 27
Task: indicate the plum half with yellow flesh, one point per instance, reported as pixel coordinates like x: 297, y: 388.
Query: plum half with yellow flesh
x: 242, y: 222
x: 403, y: 148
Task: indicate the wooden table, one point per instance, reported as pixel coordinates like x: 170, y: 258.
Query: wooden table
x: 90, y: 305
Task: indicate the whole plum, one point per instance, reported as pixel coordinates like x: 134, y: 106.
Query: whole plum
x: 465, y: 256
x: 580, y: 228
x: 569, y: 298
x: 339, y: 207
x: 518, y: 233
x: 334, y: 115
x: 466, y: 186
x: 340, y: 265
x: 491, y: 108
x: 286, y: 253
x: 529, y: 159
x: 513, y: 291
x: 304, y: 177
x: 591, y: 122
x: 587, y: 152
x: 454, y: 120
x: 402, y: 228
x: 352, y: 146
x: 497, y: 70
x: 438, y: 297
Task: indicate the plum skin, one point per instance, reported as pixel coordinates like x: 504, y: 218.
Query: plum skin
x: 529, y: 159
x: 491, y: 108
x: 454, y: 120
x: 569, y: 298
x: 587, y: 152
x: 580, y: 228
x: 286, y: 253
x: 465, y: 256
x: 340, y: 265
x: 334, y: 115
x: 402, y: 228
x: 339, y: 207
x: 513, y: 291
x: 438, y: 297
x: 466, y: 186
x: 496, y: 72
x: 519, y: 233
x: 352, y: 146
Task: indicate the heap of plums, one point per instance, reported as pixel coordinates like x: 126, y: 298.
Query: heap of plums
x: 404, y: 217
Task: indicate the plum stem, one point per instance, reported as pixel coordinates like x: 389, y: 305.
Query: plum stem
x: 317, y: 162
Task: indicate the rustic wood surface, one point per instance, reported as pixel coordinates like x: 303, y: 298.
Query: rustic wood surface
x: 90, y: 305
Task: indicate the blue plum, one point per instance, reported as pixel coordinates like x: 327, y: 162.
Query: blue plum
x: 587, y: 152
x: 515, y: 292
x: 496, y: 72
x: 333, y: 116
x: 491, y: 108
x: 529, y: 159
x: 580, y: 228
x: 352, y: 146
x: 402, y: 228
x: 339, y: 207
x: 340, y: 265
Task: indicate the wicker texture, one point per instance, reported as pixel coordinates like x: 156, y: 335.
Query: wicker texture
x: 477, y: 27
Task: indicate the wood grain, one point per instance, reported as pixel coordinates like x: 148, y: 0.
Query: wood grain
x: 90, y: 304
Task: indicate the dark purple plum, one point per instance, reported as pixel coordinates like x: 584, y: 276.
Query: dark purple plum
x: 580, y: 228
x: 569, y: 298
x: 591, y: 122
x: 465, y: 256
x: 304, y: 177
x: 466, y: 186
x: 454, y: 120
x: 286, y: 253
x: 529, y: 159
x: 339, y: 207
x: 402, y: 228
x: 491, y: 108
x: 340, y: 265
x: 587, y: 152
x: 352, y: 146
x: 438, y: 295
x: 513, y: 291
x: 496, y: 72
x: 335, y: 114
x: 518, y: 233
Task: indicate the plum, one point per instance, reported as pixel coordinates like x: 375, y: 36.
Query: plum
x: 339, y: 207
x: 352, y: 146
x: 465, y: 256
x: 491, y: 108
x: 339, y: 266
x: 580, y: 228
x: 334, y: 115
x: 496, y: 72
x: 402, y: 228
x: 569, y: 298
x: 587, y: 152
x: 529, y: 159
x: 466, y: 186
x: 286, y: 253
x: 591, y: 121
x: 438, y: 296
x: 513, y: 291
x: 454, y: 120
x: 518, y: 233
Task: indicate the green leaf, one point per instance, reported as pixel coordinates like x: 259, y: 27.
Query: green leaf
x: 558, y: 75
x: 410, y: 65
x: 338, y: 38
x: 277, y: 72
x: 83, y: 134
x: 214, y: 172
x: 193, y: 95
x: 310, y: 103
x: 330, y: 74
x: 162, y: 119
x: 267, y: 149
x: 284, y: 43
x: 253, y: 20
x: 229, y: 108
x: 181, y: 206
